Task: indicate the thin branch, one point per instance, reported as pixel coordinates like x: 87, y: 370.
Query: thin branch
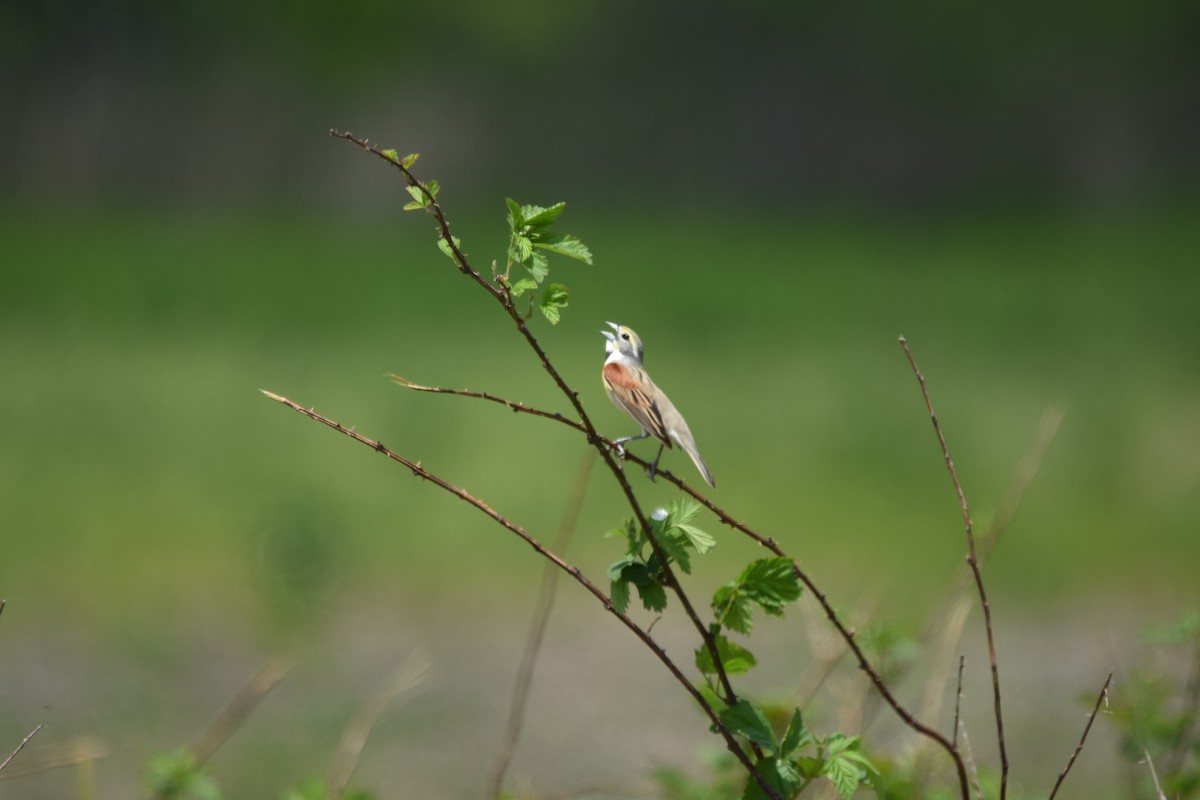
x: 402, y: 682
x: 418, y: 471
x: 24, y: 741
x: 970, y: 759
x: 962, y: 660
x: 764, y: 541
x: 973, y: 561
x: 503, y: 295
x: 1101, y: 698
x: 537, y: 629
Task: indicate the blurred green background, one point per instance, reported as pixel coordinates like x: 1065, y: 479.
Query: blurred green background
x: 773, y: 194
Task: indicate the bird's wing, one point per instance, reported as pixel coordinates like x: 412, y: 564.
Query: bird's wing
x: 632, y: 392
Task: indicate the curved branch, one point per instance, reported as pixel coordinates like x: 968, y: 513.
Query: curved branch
x: 420, y: 472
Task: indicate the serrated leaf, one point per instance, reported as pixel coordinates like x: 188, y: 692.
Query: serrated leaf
x: 538, y: 267
x: 522, y: 286
x: 413, y: 205
x: 616, y: 570
x: 521, y: 249
x: 796, y: 735
x: 445, y: 248
x: 514, y: 217
x: 391, y: 155
x: 417, y: 195
x: 843, y: 775
x: 745, y: 719
x: 620, y: 596
x: 771, y: 583
x: 567, y: 245
x: 538, y: 217
x: 701, y: 541
x: 732, y: 609
x: 654, y: 597
x: 735, y: 658
x: 434, y: 187
x: 409, y: 160
x: 554, y: 297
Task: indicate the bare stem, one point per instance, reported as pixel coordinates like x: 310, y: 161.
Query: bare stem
x: 21, y: 746
x: 764, y: 541
x: 420, y: 472
x: 973, y: 562
x: 1100, y: 699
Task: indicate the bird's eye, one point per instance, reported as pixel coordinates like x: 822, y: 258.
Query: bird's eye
x: 625, y: 336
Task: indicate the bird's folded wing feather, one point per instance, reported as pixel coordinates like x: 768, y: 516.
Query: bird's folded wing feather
x: 628, y: 390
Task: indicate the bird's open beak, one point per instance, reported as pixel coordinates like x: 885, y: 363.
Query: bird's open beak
x: 608, y: 335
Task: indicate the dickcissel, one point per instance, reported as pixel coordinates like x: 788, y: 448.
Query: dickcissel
x: 632, y: 391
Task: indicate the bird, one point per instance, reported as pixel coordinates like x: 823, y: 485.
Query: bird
x: 632, y: 391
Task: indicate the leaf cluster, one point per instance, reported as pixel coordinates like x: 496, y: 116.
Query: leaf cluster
x: 678, y: 538
x: 792, y: 761
x: 531, y: 239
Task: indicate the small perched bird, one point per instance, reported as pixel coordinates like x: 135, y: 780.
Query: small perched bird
x: 632, y: 391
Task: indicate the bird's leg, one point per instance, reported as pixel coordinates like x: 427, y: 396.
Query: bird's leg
x: 619, y: 443
x: 654, y: 465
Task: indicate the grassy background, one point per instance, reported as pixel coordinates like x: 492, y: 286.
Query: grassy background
x: 166, y: 527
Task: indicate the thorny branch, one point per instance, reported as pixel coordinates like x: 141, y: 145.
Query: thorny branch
x: 502, y: 294
x: 420, y: 472
x: 973, y: 561
x: 765, y: 541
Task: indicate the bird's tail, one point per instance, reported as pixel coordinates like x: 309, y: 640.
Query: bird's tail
x: 690, y: 446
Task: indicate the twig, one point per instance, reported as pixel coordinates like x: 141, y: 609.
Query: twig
x: 537, y: 629
x: 234, y: 714
x: 501, y: 293
x: 973, y: 561
x: 764, y: 541
x: 354, y: 738
x: 1101, y: 698
x: 21, y: 746
x: 420, y: 472
x: 962, y: 660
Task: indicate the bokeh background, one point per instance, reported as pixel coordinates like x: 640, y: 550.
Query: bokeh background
x: 774, y: 192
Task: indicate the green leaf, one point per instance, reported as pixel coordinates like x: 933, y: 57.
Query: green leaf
x: 654, y: 597
x: 771, y: 583
x: 796, y: 735
x: 554, y: 297
x: 409, y: 160
x: 779, y: 775
x: 445, y: 248
x: 843, y: 775
x: 616, y: 571
x: 434, y: 187
x: 567, y: 245
x: 417, y: 195
x: 521, y: 249
x: 412, y: 205
x: 620, y: 596
x: 735, y: 658
x: 747, y: 720
x: 538, y: 217
x: 391, y: 155
x: 732, y: 609
x: 522, y: 286
x: 514, y: 217
x: 538, y: 267
x: 700, y: 540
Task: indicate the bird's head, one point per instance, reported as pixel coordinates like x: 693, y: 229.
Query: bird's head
x: 624, y: 341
